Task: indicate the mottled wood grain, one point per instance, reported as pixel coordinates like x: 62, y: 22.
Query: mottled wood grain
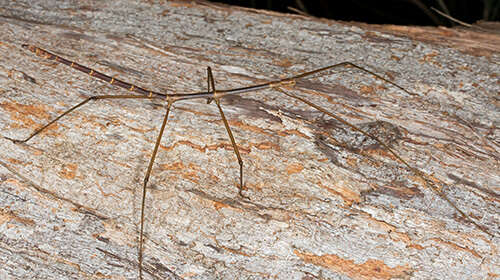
x: 326, y: 203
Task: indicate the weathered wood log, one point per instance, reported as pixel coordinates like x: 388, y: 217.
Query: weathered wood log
x: 325, y: 202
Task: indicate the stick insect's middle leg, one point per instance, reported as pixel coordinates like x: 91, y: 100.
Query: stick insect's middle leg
x: 211, y: 87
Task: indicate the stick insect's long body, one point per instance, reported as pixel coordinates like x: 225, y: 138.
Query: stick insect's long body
x: 177, y: 96
x: 215, y: 95
x: 196, y: 95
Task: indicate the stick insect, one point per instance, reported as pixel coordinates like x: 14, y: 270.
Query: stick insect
x: 215, y: 95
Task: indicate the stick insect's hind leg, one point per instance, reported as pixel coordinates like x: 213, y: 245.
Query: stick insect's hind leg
x: 97, y: 97
x: 428, y: 182
x: 146, y: 179
x: 211, y: 87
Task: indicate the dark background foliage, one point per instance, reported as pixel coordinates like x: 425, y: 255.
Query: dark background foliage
x: 404, y: 12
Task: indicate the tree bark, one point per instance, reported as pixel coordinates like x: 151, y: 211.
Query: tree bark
x: 325, y: 202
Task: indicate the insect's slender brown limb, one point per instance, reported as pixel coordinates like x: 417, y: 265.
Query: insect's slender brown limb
x: 345, y: 64
x: 97, y: 97
x: 148, y: 173
x: 417, y: 172
x: 211, y: 87
x: 146, y: 179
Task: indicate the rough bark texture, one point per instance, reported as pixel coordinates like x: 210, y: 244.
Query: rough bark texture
x: 326, y: 203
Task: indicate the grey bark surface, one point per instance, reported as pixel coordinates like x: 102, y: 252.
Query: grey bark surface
x: 325, y: 202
